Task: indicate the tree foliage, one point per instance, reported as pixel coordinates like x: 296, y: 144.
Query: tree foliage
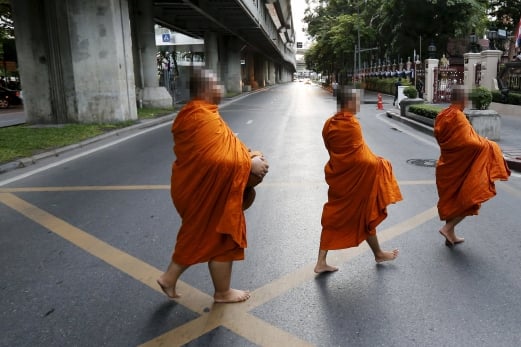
x: 506, y: 14
x: 6, y: 20
x: 395, y: 27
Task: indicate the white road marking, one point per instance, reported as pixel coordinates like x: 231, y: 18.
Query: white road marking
x: 413, y: 133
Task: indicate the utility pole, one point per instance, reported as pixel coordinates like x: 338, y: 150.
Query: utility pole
x: 358, y: 25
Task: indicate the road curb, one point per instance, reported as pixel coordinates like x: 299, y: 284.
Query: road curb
x: 513, y: 163
x: 143, y: 124
x: 28, y: 161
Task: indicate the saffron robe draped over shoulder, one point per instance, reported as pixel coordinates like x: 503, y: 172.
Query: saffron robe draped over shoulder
x: 209, y: 175
x: 468, y: 165
x: 361, y: 185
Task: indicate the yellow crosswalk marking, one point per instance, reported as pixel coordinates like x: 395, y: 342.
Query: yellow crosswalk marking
x: 235, y: 317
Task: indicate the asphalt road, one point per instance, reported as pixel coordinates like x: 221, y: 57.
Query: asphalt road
x: 12, y: 116
x: 84, y: 236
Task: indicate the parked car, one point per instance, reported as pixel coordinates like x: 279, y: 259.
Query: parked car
x: 4, y: 99
x: 14, y: 97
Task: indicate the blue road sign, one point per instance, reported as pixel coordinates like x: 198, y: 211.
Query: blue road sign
x: 166, y: 37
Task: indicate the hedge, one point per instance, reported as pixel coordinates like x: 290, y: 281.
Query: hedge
x: 512, y: 98
x: 429, y: 111
x: 410, y: 92
x: 481, y: 98
x: 383, y: 85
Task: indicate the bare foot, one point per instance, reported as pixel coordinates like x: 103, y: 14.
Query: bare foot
x: 321, y: 268
x: 386, y: 256
x: 452, y: 240
x: 169, y: 291
x: 231, y: 296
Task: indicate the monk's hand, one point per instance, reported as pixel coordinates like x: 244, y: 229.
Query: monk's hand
x: 259, y: 166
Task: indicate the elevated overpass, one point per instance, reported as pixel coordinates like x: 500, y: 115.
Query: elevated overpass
x: 83, y: 61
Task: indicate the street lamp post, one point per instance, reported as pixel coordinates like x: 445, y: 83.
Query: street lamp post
x: 492, y: 36
x: 473, y: 41
x: 432, y: 50
x: 417, y: 62
x: 358, y: 22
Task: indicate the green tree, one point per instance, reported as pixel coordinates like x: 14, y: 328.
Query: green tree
x: 334, y: 27
x: 7, y: 44
x: 6, y: 20
x: 506, y: 15
x: 402, y: 22
x: 393, y: 26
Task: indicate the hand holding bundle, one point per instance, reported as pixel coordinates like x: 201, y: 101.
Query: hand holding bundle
x: 259, y: 168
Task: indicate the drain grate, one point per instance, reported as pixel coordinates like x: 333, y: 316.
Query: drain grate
x: 422, y: 162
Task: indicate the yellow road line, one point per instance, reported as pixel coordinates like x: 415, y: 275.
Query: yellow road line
x: 167, y: 186
x: 234, y: 317
x: 192, y: 298
x: 83, y: 188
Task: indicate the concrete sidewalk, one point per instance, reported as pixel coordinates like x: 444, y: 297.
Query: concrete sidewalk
x: 510, y: 145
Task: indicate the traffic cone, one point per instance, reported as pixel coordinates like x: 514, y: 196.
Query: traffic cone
x: 380, y: 103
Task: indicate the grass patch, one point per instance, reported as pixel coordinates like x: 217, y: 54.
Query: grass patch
x: 23, y: 141
x: 147, y: 113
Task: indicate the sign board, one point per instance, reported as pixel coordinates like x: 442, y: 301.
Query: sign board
x: 299, y: 44
x: 166, y: 37
x: 401, y: 95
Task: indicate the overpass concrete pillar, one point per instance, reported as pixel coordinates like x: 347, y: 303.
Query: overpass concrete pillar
x: 259, y: 64
x: 265, y: 72
x: 232, y: 65
x: 271, y: 73
x: 149, y: 93
x: 211, y: 52
x: 75, y: 60
x: 250, y: 71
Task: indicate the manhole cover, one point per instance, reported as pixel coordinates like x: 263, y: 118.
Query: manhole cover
x: 422, y: 162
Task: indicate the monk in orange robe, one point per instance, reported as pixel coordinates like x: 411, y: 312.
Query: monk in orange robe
x: 209, y: 177
x: 467, y: 168
x: 361, y: 185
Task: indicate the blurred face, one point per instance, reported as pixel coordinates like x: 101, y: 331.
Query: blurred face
x: 460, y: 96
x: 351, y: 100
x: 354, y: 101
x: 213, y: 90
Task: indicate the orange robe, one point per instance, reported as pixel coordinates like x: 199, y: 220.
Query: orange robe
x: 468, y: 165
x: 209, y: 175
x: 361, y: 185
